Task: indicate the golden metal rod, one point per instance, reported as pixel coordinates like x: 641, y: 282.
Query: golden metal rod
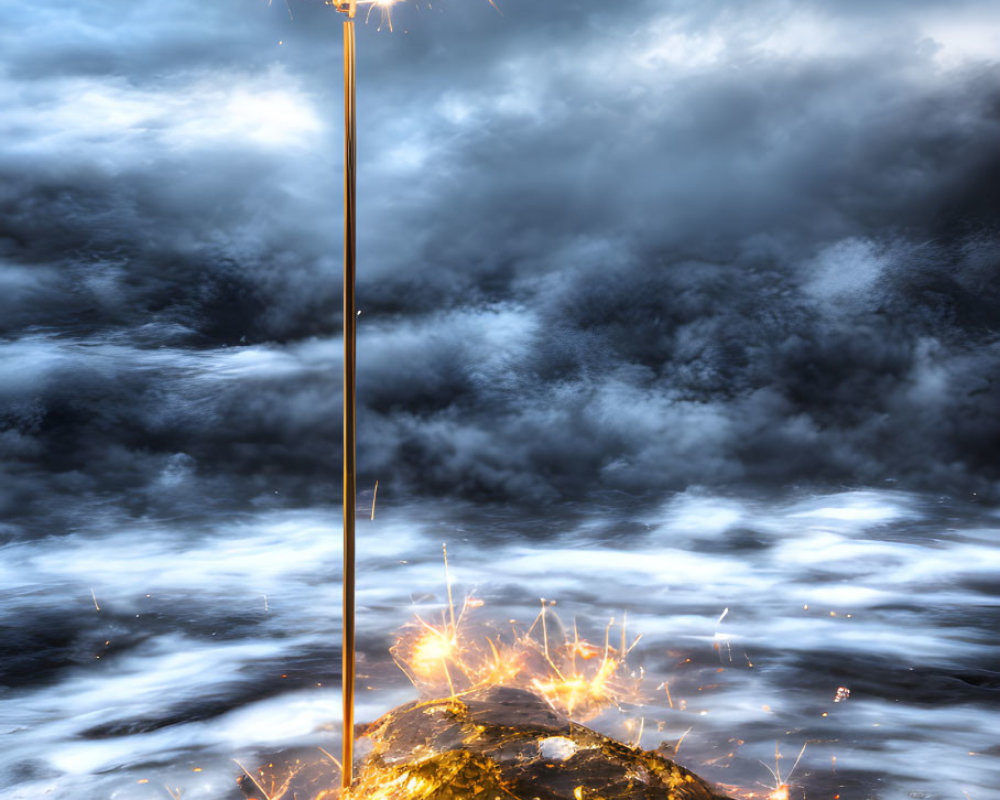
x: 350, y: 387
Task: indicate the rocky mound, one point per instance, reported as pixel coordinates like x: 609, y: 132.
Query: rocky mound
x: 503, y: 743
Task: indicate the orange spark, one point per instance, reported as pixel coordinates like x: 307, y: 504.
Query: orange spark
x: 468, y: 658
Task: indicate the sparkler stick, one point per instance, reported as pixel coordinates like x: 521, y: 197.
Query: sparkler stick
x: 349, y: 7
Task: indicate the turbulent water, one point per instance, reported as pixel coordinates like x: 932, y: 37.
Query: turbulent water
x: 141, y: 659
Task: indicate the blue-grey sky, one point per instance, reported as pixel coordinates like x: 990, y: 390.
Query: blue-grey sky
x: 603, y: 248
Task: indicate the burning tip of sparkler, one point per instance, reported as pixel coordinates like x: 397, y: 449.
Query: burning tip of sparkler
x: 350, y: 7
x: 385, y: 7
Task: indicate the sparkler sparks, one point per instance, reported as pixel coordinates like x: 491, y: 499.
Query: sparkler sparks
x: 573, y: 676
x: 781, y: 787
x: 384, y: 7
x: 442, y: 747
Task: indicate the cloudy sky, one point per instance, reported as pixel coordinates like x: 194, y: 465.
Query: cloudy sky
x: 604, y: 249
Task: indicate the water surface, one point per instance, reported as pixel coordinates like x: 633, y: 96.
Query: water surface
x: 145, y: 656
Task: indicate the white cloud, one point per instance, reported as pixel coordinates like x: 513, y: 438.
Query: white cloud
x: 667, y: 45
x: 104, y: 116
x: 964, y: 36
x: 848, y: 268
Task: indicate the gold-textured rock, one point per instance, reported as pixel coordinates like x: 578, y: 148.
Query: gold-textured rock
x: 507, y: 743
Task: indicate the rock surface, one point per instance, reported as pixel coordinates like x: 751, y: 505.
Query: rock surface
x: 497, y: 744
x: 507, y: 743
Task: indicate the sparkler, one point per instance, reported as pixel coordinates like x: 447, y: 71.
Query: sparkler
x: 349, y: 7
x: 551, y: 673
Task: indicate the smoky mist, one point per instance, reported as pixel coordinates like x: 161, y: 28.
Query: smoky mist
x: 618, y: 271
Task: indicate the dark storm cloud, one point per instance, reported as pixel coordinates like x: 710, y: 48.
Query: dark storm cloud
x: 626, y: 248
